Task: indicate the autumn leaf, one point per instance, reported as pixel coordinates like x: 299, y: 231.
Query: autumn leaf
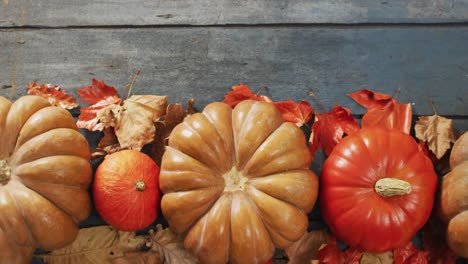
x: 107, y: 145
x: 165, y: 245
x: 100, y: 96
x: 330, y: 253
x: 381, y: 258
x: 135, y: 123
x: 53, y: 94
x: 175, y: 114
x: 425, y: 149
x: 242, y: 92
x: 329, y: 128
x: 437, y: 131
x: 96, y: 245
x: 298, y: 113
x: 306, y: 248
x: 403, y: 254
x: 383, y: 110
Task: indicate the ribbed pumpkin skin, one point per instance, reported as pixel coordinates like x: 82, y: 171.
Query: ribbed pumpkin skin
x: 46, y: 194
x: 237, y: 183
x: 116, y: 196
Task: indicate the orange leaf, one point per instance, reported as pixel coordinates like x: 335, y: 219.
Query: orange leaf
x: 298, y: 113
x: 402, y: 255
x: 54, y: 94
x: 100, y: 95
x: 242, y: 92
x: 329, y: 128
x: 383, y: 110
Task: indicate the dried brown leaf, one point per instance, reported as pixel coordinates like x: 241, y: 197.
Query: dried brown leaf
x: 96, y: 245
x: 169, y: 245
x: 156, y: 102
x: 306, y: 248
x: 437, y: 131
x: 382, y: 258
x: 175, y: 114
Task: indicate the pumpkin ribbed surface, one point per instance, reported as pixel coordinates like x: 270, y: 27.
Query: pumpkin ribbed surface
x: 237, y: 183
x: 44, y: 176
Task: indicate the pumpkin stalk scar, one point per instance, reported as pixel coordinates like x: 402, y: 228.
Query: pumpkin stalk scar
x: 234, y: 180
x: 388, y: 187
x: 140, y: 185
x: 5, y: 172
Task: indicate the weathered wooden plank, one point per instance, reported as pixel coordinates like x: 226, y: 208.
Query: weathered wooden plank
x: 208, y: 12
x: 203, y: 63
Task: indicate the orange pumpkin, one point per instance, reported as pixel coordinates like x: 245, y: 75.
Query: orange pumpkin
x: 44, y: 176
x: 453, y: 206
x: 237, y: 183
x: 126, y: 190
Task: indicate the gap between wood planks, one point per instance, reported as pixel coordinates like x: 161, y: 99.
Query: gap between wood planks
x: 270, y: 25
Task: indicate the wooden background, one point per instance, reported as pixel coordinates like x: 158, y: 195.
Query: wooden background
x: 199, y: 49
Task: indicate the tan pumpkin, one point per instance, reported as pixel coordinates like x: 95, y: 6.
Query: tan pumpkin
x: 453, y: 205
x: 44, y: 176
x: 237, y: 183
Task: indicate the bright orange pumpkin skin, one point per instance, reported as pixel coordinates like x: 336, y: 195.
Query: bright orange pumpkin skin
x: 350, y: 205
x: 118, y: 198
x: 44, y: 193
x: 237, y: 183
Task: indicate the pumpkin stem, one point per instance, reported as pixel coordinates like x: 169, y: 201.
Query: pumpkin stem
x: 387, y: 187
x: 5, y: 172
x: 140, y: 185
x: 234, y: 180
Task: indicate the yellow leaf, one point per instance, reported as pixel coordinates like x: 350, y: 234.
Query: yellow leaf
x: 96, y: 245
x: 382, y: 258
x: 437, y: 131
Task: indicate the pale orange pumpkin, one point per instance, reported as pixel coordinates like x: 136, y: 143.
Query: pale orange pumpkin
x: 44, y: 176
x: 237, y: 183
x: 453, y: 206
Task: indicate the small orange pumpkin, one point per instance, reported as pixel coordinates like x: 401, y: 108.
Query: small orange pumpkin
x: 44, y: 177
x: 237, y: 182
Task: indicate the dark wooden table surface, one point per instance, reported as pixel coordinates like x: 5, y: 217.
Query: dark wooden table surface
x: 199, y: 49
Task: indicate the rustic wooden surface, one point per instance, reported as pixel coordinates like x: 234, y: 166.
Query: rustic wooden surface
x: 199, y: 49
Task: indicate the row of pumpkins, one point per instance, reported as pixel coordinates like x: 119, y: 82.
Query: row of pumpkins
x: 236, y: 184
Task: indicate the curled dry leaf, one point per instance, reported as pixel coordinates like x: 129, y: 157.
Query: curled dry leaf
x: 96, y: 245
x: 100, y: 96
x: 165, y: 245
x: 437, y: 131
x: 306, y: 248
x: 329, y: 128
x: 242, y: 92
x: 53, y: 94
x: 107, y: 145
x: 383, y: 110
x: 382, y: 258
x: 175, y: 114
x: 297, y: 113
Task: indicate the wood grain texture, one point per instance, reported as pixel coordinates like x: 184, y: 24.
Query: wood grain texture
x: 58, y: 13
x: 203, y: 63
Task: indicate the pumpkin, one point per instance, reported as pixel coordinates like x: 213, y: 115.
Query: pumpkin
x: 453, y: 205
x: 377, y: 189
x: 237, y: 183
x: 126, y: 190
x: 44, y: 176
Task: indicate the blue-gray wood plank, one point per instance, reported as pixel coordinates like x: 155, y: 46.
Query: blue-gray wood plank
x: 207, y: 12
x: 423, y: 62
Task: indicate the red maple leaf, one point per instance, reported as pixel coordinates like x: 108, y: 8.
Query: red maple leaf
x: 352, y: 256
x: 383, y: 110
x: 329, y: 128
x: 100, y: 95
x: 410, y: 254
x: 242, y: 92
x: 53, y: 94
x: 330, y: 253
x: 298, y: 113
